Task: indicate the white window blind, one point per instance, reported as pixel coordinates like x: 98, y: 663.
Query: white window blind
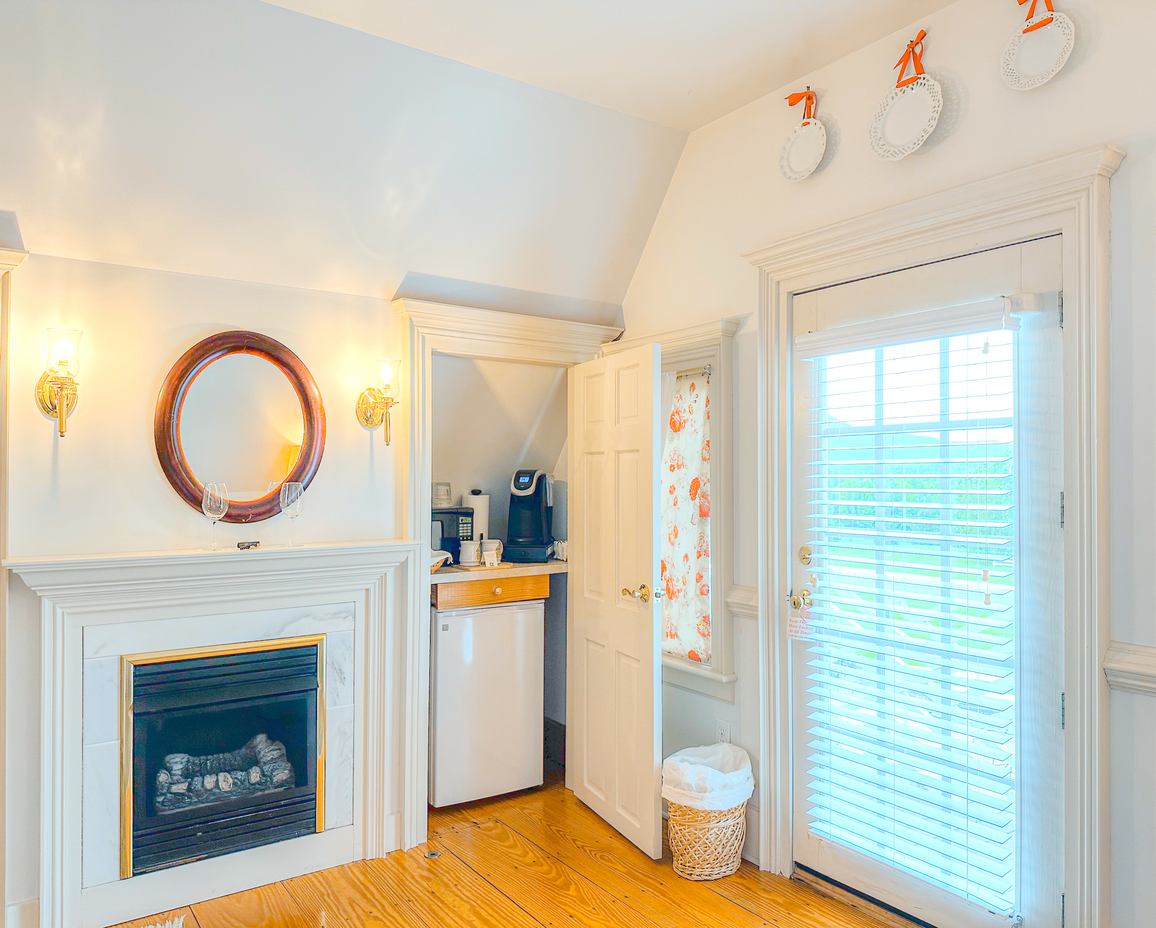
x: 911, y: 677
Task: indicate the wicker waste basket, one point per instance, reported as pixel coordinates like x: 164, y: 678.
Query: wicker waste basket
x: 707, y: 790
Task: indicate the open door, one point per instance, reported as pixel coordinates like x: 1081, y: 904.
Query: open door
x: 614, y: 710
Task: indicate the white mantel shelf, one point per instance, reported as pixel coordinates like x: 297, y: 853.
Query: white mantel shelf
x: 106, y: 574
x: 460, y: 575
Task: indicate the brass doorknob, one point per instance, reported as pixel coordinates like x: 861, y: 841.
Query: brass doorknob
x: 642, y: 593
x: 800, y: 600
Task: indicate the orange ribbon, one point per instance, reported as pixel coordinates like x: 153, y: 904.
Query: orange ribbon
x: 1032, y: 12
x: 914, y: 57
x: 812, y: 102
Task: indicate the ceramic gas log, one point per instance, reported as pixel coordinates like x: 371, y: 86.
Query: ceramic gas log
x: 185, y: 781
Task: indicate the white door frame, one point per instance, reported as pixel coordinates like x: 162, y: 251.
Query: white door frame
x: 467, y: 333
x: 1069, y: 195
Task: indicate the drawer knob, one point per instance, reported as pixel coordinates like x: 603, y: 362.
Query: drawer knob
x: 497, y: 591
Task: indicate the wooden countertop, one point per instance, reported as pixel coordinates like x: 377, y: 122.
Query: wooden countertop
x: 459, y: 575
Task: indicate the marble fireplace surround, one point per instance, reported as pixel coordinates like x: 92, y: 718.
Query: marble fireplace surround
x: 94, y: 608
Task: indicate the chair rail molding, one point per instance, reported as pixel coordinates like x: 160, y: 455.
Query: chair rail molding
x: 468, y: 333
x: 744, y: 601
x: 1069, y: 195
x: 1131, y: 667
x: 379, y: 578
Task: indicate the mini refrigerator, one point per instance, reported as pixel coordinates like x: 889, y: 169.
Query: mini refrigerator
x: 486, y: 666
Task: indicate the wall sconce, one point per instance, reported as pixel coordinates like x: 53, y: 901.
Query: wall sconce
x: 374, y: 403
x: 56, y: 391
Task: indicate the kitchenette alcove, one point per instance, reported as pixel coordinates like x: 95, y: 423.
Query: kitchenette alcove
x: 281, y: 702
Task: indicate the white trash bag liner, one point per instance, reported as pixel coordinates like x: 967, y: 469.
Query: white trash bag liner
x: 711, y: 778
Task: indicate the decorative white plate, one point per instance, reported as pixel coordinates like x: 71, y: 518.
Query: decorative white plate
x: 1034, y: 58
x: 803, y: 150
x: 905, y: 118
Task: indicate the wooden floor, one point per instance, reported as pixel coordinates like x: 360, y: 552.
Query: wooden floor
x: 538, y: 859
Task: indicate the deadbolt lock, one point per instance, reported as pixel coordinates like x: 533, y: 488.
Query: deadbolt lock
x: 800, y: 600
x: 805, y: 555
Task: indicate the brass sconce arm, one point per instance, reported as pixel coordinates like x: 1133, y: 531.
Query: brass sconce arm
x: 56, y: 395
x: 373, y: 409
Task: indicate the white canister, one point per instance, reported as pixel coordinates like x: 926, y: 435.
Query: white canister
x: 471, y: 554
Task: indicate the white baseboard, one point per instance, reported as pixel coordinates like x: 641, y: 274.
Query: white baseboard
x: 22, y: 914
x: 751, y: 844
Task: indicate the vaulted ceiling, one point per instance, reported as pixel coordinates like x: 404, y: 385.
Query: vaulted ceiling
x: 681, y: 63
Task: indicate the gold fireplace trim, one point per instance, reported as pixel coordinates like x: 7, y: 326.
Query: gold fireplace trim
x: 129, y: 662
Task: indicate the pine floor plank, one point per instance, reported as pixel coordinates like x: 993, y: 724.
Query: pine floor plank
x: 773, y: 896
x: 162, y: 918
x: 581, y: 841
x: 451, y: 818
x: 444, y: 891
x: 537, y: 859
x: 547, y: 889
x: 347, y: 898
x: 269, y: 906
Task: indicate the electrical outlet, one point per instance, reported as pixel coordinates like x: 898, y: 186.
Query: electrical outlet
x: 722, y: 731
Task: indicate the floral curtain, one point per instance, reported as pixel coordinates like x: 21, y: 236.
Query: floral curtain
x: 686, y: 520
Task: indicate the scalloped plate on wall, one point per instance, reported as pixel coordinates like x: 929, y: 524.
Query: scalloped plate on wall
x: 1034, y: 58
x: 906, y: 118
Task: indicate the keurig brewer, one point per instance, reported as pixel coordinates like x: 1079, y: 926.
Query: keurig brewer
x: 529, y: 532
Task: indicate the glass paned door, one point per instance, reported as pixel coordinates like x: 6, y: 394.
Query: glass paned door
x: 907, y: 737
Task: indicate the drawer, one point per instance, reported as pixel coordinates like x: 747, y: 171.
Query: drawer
x: 489, y: 592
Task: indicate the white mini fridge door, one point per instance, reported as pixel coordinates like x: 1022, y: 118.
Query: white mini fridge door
x: 486, y: 668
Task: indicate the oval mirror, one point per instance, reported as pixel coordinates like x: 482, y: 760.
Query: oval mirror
x: 242, y: 426
x: 241, y: 409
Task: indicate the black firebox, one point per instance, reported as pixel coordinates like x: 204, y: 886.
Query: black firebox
x: 224, y: 751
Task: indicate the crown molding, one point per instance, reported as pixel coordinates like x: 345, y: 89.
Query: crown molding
x: 681, y: 344
x: 1131, y: 667
x: 11, y: 258
x: 493, y: 335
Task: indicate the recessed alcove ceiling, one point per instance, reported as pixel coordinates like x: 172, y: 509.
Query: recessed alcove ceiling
x: 681, y: 63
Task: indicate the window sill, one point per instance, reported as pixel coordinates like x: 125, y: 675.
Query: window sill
x: 689, y: 675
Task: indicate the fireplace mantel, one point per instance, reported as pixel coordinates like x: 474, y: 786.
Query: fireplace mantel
x: 380, y: 578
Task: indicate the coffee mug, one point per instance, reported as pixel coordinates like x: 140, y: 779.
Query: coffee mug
x: 471, y: 554
x: 493, y: 546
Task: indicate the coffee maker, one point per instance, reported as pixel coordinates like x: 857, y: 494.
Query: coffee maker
x: 529, y: 532
x: 451, y: 526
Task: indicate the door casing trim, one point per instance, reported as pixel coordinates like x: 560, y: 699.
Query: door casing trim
x: 1069, y: 195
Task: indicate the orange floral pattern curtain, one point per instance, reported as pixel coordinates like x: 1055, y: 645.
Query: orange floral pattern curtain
x: 686, y: 521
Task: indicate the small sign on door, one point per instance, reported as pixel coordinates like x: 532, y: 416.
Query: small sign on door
x: 798, y: 626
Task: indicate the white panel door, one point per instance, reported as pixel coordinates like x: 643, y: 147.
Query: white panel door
x: 614, y: 712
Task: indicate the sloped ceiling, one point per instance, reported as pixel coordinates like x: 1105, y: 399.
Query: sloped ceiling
x: 680, y: 63
x: 239, y: 140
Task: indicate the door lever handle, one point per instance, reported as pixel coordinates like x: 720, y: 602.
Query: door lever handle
x: 642, y: 593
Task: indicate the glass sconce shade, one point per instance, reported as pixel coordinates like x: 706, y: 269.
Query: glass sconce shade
x: 389, y: 370
x: 64, y: 351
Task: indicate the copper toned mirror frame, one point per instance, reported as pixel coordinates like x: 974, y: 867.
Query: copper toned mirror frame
x: 167, y: 422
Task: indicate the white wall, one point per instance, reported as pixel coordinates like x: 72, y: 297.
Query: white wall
x: 491, y: 418
x: 728, y: 198
x: 177, y: 169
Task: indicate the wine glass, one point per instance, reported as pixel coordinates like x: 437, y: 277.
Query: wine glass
x: 291, y: 504
x: 214, y: 504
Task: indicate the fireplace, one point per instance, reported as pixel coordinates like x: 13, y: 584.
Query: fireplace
x: 222, y: 750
